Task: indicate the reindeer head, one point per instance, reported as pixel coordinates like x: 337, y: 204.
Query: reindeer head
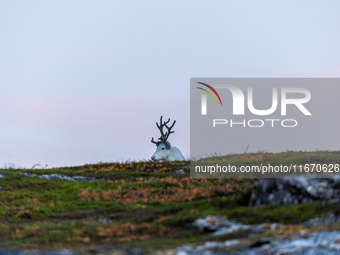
x: 163, y: 146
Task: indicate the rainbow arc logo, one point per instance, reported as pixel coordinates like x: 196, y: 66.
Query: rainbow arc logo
x: 209, y: 93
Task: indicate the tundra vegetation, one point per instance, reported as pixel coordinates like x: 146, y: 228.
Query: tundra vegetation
x: 141, y: 204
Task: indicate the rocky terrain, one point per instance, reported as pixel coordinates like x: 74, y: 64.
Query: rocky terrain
x: 156, y: 208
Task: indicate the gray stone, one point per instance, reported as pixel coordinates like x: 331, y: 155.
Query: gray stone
x: 316, y: 243
x: 179, y: 171
x: 116, y: 251
x: 221, y: 226
x: 294, y: 191
x: 4, y: 251
x: 60, y: 176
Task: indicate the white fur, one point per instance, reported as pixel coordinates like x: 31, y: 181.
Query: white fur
x: 166, y: 152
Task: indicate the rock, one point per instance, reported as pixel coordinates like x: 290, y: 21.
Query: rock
x: 316, y: 243
x: 50, y: 252
x: 221, y: 226
x: 179, y: 171
x: 116, y: 251
x: 166, y: 252
x: 294, y: 191
x: 60, y: 176
x: 208, y: 248
x: 274, y: 226
x: 104, y: 220
x: 320, y: 243
x: 97, y: 250
x: 329, y: 220
x: 4, y: 251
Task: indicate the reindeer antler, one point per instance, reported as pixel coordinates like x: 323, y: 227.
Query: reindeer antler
x: 164, y: 137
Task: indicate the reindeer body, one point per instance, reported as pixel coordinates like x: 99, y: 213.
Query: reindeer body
x: 163, y: 152
x: 164, y: 149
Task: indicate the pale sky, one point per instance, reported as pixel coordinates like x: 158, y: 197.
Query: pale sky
x: 85, y: 81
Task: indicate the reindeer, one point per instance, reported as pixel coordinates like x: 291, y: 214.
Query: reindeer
x: 164, y: 149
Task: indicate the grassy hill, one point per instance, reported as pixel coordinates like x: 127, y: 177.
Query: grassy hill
x: 137, y: 204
